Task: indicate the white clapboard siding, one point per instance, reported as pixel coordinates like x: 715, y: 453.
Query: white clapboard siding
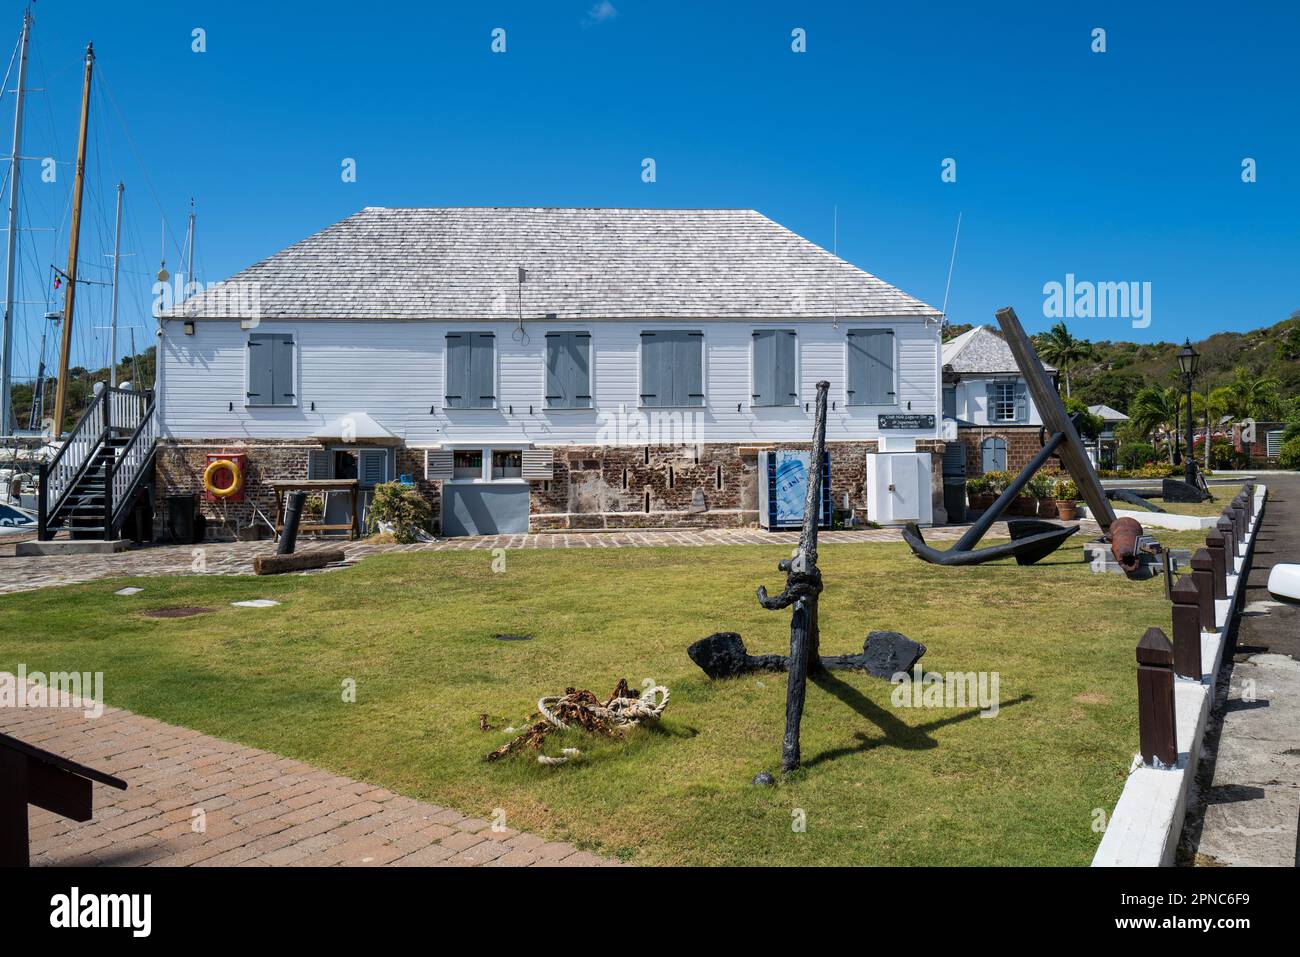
x: 394, y: 372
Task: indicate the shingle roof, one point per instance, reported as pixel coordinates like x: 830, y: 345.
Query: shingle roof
x: 981, y: 351
x: 462, y: 263
x: 1107, y: 413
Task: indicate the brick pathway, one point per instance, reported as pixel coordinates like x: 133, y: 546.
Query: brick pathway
x: 257, y: 807
x: 236, y: 558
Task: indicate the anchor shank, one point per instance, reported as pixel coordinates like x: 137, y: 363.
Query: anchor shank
x: 994, y: 512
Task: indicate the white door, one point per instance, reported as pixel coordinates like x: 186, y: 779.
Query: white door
x: 905, y: 484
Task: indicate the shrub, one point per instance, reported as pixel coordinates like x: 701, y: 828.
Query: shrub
x: 1289, y: 454
x: 977, y: 486
x: 1066, y: 490
x: 998, y: 481
x: 1041, y: 486
x: 402, y: 507
x: 1135, y: 455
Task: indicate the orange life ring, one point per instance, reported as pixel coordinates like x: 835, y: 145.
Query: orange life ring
x: 218, y: 491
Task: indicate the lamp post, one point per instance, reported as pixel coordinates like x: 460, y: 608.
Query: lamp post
x: 1188, y: 362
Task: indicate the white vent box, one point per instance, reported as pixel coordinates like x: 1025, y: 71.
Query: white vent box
x: 898, y: 488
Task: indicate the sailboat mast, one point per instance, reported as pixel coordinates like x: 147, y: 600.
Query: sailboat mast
x: 117, y: 255
x: 7, y: 337
x: 61, y: 392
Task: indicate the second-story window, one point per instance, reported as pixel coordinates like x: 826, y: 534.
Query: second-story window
x: 672, y: 369
x: 471, y: 368
x: 774, y: 367
x: 1007, y: 401
x: 271, y: 369
x: 568, y: 370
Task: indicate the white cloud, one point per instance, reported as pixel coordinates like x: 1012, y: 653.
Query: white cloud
x: 600, y: 13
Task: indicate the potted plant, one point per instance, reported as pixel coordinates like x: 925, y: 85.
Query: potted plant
x: 1043, y: 490
x: 1067, y: 500
x: 977, y: 493
x: 997, y: 485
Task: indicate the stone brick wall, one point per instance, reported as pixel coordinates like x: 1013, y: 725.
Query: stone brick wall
x: 1022, y: 445
x: 595, y: 487
x: 713, y: 485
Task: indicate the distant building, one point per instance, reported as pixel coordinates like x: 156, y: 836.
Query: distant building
x: 1104, y: 449
x: 986, y: 396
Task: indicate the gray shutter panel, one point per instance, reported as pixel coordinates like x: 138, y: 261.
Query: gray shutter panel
x: 457, y: 370
x: 260, y: 353
x: 1022, y: 401
x: 787, y: 391
x: 556, y: 398
x: 656, y: 387
x: 538, y: 464
x: 950, y: 401
x: 580, y: 369
x: 372, y: 466
x: 688, y: 369
x: 990, y: 401
x: 282, y: 387
x: 482, y: 392
x: 880, y: 367
x: 993, y: 454
x: 318, y: 465
x: 857, y: 368
x: 765, y: 367
x: 438, y: 464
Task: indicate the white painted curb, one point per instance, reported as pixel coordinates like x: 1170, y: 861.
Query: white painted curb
x: 1148, y: 818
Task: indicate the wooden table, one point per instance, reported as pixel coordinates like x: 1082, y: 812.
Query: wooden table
x: 284, y: 486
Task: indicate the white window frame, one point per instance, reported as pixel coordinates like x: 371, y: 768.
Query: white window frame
x: 994, y: 416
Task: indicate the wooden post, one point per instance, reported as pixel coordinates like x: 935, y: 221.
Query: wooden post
x: 1214, y: 545
x: 1224, y: 528
x: 1203, y: 577
x: 1233, y: 515
x: 13, y: 809
x: 1187, y: 628
x: 1157, y: 728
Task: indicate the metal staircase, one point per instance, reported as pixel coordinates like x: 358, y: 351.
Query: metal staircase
x: 93, y: 483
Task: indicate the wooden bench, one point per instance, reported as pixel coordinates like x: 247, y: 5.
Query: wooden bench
x: 282, y: 487
x: 31, y: 775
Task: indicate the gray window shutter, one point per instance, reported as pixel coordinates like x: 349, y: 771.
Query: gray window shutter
x: 688, y: 368
x: 656, y: 384
x: 458, y: 348
x: 320, y: 464
x: 568, y: 370
x: 1022, y: 401
x: 990, y: 401
x: 538, y: 464
x: 481, y: 391
x: 786, y: 367
x: 372, y: 466
x: 774, y: 367
x: 260, y: 359
x: 282, y: 387
x: 950, y: 401
x: 871, y: 366
x: 765, y: 363
x: 439, y: 464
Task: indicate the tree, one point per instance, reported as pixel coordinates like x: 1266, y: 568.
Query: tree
x: 1156, y: 410
x: 1252, y: 397
x: 1059, y: 348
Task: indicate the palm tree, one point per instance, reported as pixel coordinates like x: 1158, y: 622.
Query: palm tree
x: 1062, y: 350
x: 1251, y: 397
x: 1155, y: 410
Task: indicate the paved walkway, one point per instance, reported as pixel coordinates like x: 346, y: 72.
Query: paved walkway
x: 196, y: 800
x: 236, y: 558
x: 1245, y: 805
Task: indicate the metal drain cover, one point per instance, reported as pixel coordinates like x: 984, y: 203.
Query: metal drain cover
x: 513, y: 637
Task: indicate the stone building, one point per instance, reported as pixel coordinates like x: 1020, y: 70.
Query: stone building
x: 532, y: 369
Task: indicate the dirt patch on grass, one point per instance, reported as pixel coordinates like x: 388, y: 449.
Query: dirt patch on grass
x: 186, y: 612
x: 1092, y: 697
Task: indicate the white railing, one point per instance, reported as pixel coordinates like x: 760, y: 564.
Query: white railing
x: 131, y: 458
x: 79, y: 446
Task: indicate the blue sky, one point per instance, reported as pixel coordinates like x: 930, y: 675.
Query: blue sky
x: 1115, y: 166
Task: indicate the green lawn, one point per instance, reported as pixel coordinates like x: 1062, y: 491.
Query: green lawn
x: 883, y: 785
x: 1223, y: 496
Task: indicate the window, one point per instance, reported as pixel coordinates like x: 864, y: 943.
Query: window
x: 568, y: 370
x: 467, y: 464
x: 270, y: 369
x: 470, y: 370
x: 993, y: 455
x: 672, y: 369
x: 507, y: 464
x: 1008, y: 401
x: 871, y: 367
x: 369, y: 466
x: 774, y: 367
